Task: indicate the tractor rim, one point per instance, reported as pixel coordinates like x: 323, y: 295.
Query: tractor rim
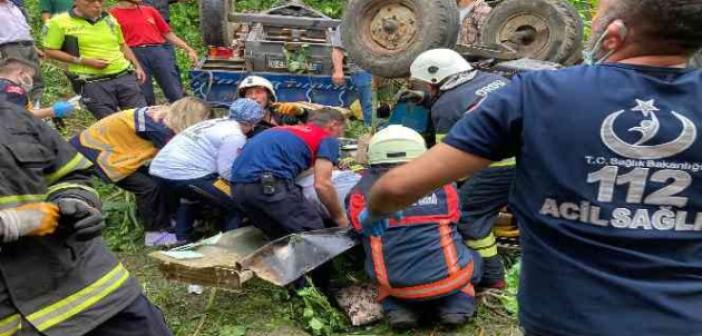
x: 392, y: 26
x: 526, y: 34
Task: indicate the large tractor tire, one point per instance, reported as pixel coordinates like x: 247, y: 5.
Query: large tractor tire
x: 549, y: 30
x: 385, y: 36
x: 214, y: 22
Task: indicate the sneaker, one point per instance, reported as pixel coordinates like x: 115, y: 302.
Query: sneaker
x: 159, y: 238
x: 453, y: 320
x: 402, y: 319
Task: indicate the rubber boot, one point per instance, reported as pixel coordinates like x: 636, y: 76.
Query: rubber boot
x: 402, y: 319
x: 493, y: 274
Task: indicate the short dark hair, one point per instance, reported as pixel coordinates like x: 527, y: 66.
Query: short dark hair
x: 662, y: 26
x: 11, y: 64
x: 325, y: 116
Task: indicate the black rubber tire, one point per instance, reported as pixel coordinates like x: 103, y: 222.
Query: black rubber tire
x: 563, y: 25
x: 214, y: 22
x: 436, y: 27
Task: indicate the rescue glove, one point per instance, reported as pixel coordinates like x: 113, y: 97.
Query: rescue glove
x: 85, y: 221
x: 411, y: 96
x: 376, y: 226
x: 63, y: 109
x: 289, y: 109
x: 34, y: 219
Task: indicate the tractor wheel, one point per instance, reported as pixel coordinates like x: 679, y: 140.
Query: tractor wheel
x: 214, y: 22
x: 549, y: 30
x: 385, y: 36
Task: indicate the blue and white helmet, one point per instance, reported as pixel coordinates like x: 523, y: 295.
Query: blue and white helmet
x: 246, y: 111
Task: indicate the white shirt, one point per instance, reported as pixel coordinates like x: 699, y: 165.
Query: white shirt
x: 13, y: 24
x: 343, y: 180
x: 206, y: 148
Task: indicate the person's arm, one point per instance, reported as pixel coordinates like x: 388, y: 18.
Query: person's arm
x: 325, y: 191
x: 338, y: 66
x: 129, y: 55
x: 42, y: 113
x: 395, y: 191
x: 178, y: 42
x: 489, y: 132
x: 52, y: 41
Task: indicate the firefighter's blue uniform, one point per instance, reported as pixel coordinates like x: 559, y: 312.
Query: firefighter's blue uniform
x: 421, y: 261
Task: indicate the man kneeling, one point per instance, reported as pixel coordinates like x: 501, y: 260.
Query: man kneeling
x: 420, y: 264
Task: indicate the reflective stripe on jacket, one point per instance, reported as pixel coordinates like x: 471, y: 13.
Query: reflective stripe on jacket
x: 422, y: 256
x: 54, y: 284
x: 121, y: 143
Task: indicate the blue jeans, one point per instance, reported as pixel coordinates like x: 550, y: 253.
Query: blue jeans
x: 159, y: 63
x: 363, y: 81
x: 190, y: 195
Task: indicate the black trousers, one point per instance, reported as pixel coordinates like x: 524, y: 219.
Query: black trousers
x: 285, y: 212
x: 153, y: 204
x: 141, y: 318
x: 103, y: 98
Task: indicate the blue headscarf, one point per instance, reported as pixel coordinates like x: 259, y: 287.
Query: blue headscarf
x: 246, y: 111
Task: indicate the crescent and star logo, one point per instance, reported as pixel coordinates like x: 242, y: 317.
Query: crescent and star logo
x: 648, y: 129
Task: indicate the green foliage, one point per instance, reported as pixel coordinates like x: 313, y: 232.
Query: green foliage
x: 124, y: 231
x: 509, y: 298
x: 318, y: 315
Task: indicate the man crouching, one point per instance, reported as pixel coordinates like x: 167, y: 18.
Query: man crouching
x: 420, y: 264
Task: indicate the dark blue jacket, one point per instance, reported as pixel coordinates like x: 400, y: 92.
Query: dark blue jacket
x: 422, y: 256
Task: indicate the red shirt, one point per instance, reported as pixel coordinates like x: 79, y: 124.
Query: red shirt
x: 141, y: 25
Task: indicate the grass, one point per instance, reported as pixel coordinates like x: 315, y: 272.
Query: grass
x: 260, y: 308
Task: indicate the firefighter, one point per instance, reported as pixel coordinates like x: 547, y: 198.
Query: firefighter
x: 420, y: 264
x: 58, y: 277
x: 608, y: 187
x: 261, y: 90
x: 122, y: 144
x: 16, y: 81
x: 448, y: 85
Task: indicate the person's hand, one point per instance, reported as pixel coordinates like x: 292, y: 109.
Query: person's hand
x: 95, y: 63
x: 140, y: 75
x: 288, y: 109
x: 338, y: 78
x: 85, y: 221
x: 342, y: 221
x: 63, y: 109
x: 40, y: 53
x: 192, y: 55
x: 33, y: 219
x: 376, y: 225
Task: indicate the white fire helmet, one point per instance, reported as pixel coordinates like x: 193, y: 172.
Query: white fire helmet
x: 434, y: 66
x: 257, y: 81
x: 395, y: 144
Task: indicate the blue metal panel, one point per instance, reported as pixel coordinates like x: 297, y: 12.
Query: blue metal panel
x: 410, y: 115
x: 218, y: 87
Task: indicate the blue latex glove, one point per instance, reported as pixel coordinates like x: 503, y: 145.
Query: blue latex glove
x: 63, y: 109
x: 373, y: 226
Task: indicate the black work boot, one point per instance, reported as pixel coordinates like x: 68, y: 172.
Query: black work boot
x: 453, y: 320
x: 402, y: 319
x: 493, y: 274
